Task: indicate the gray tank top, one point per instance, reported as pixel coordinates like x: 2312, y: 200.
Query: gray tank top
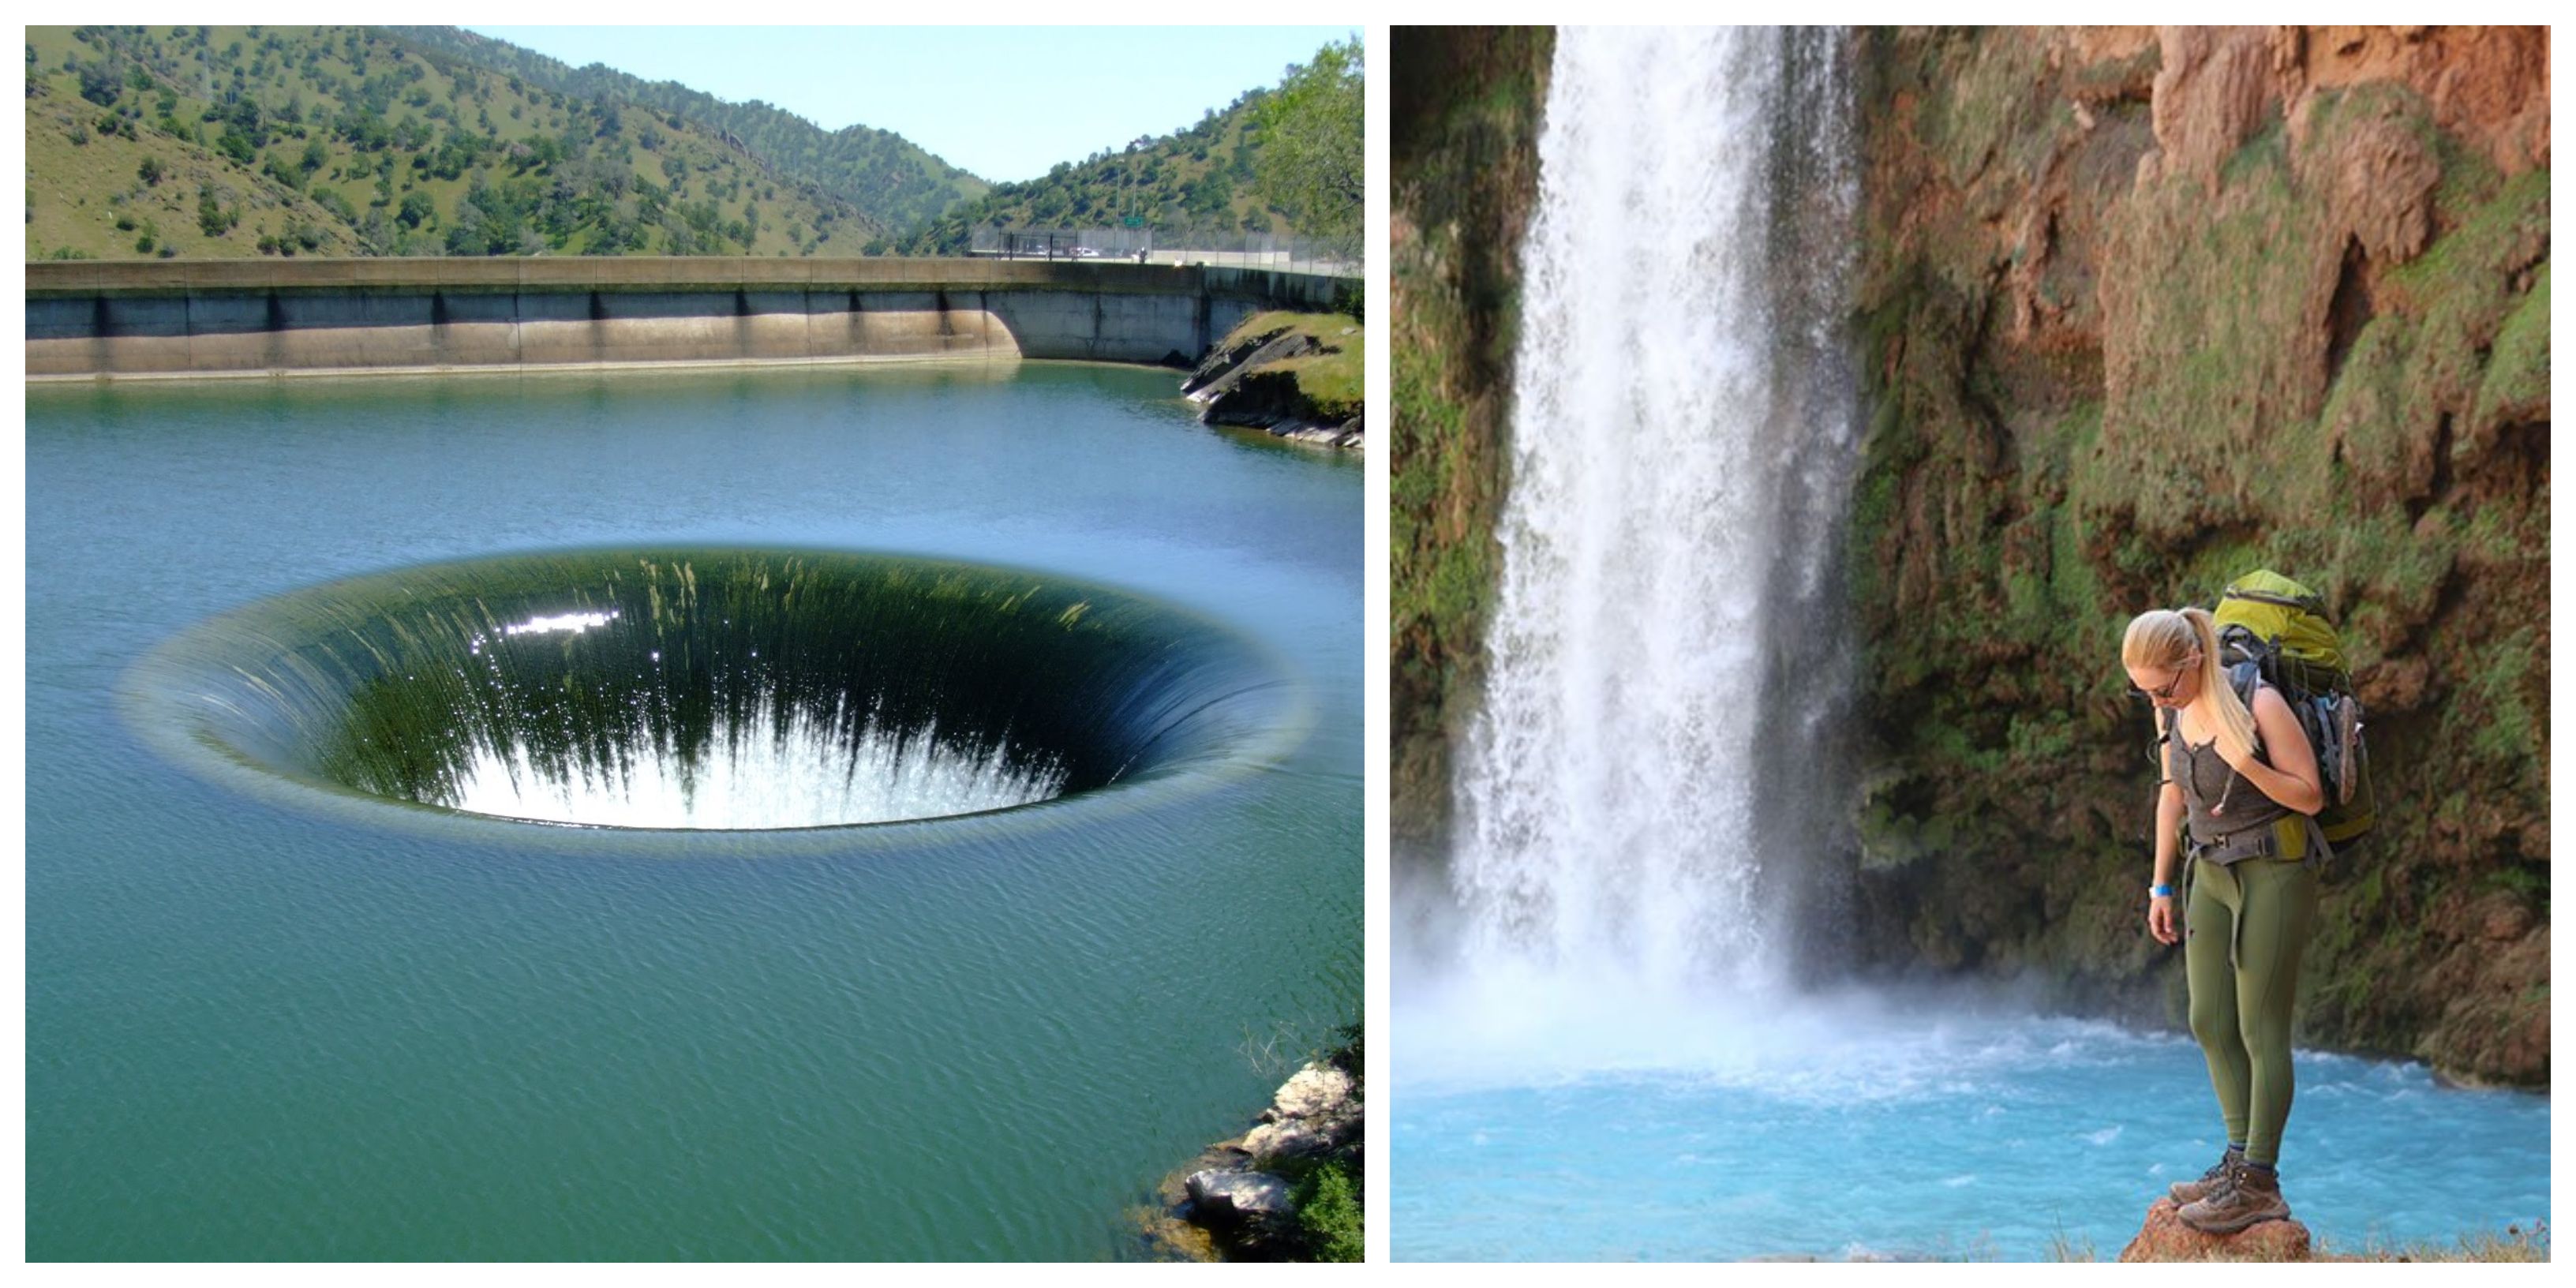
x: 2207, y: 781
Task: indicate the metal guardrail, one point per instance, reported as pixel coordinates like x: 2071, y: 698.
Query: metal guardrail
x: 1287, y: 253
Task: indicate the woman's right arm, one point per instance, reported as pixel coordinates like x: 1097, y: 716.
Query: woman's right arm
x: 2162, y: 922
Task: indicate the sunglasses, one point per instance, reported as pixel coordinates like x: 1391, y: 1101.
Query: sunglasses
x: 2166, y: 693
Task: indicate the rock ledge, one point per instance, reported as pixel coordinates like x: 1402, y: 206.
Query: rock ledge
x: 2165, y: 1238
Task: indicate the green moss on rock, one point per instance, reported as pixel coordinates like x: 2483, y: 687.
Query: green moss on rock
x: 2292, y: 366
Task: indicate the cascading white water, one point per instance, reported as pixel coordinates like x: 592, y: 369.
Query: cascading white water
x: 1663, y: 662
x: 758, y: 774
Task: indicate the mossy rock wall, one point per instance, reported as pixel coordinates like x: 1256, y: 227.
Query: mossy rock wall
x: 1465, y: 126
x: 2144, y: 310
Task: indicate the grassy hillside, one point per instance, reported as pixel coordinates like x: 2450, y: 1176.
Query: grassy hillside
x: 241, y: 141
x: 1198, y: 179
x: 883, y: 174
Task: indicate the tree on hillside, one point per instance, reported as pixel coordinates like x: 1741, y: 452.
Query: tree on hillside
x: 1314, y: 145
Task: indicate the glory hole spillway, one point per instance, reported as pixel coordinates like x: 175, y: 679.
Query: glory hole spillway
x: 810, y: 810
x: 1625, y: 1025
x: 715, y: 689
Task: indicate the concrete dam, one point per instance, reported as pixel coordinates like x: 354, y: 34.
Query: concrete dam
x: 107, y: 319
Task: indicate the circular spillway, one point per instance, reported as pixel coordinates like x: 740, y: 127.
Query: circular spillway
x: 710, y: 689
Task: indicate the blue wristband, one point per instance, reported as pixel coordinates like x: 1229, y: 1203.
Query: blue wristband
x: 2159, y: 891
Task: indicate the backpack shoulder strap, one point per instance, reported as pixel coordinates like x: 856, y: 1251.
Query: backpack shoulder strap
x: 2245, y: 677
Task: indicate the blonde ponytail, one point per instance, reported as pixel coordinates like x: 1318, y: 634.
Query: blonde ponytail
x: 2236, y: 736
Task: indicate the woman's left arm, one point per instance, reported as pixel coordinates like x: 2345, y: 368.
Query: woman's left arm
x: 2291, y: 777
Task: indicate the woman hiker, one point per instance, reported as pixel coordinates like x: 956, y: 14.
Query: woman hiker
x: 2245, y: 780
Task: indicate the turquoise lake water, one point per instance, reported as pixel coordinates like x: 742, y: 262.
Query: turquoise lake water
x: 262, y: 1027
x: 1892, y: 1126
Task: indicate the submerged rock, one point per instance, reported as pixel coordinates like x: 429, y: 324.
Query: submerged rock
x: 2165, y: 1238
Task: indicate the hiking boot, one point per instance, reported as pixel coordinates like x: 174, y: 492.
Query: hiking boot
x: 2194, y: 1191
x: 2248, y: 1196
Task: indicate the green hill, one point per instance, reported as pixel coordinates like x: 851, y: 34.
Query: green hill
x: 240, y: 141
x: 1195, y: 180
x: 880, y: 172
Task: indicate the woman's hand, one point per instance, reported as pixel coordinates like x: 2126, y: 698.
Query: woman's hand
x: 2161, y: 920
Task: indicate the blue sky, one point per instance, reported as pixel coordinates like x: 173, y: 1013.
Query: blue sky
x: 1005, y: 102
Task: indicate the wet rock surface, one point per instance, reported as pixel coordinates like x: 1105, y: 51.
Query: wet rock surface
x: 1463, y: 131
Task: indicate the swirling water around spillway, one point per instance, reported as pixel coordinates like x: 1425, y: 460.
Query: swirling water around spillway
x: 710, y: 689
x: 271, y: 1014
x: 1613, y: 1035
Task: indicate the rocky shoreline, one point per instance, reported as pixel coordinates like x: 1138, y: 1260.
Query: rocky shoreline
x: 1239, y: 1200
x: 1245, y: 384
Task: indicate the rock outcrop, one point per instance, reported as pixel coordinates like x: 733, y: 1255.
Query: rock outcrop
x: 2146, y: 309
x: 1237, y: 1197
x: 1235, y: 1201
x: 1252, y: 384
x: 1226, y: 365
x: 2165, y: 1238
x: 1273, y: 403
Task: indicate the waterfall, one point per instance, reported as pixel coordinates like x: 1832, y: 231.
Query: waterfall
x: 1653, y: 781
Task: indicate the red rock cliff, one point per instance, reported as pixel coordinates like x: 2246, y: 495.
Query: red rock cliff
x: 2147, y: 309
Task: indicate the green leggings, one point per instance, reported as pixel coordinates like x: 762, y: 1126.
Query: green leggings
x: 2244, y: 930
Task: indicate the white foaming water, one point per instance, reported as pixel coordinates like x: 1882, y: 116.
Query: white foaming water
x: 1679, y: 461
x: 566, y: 623
x: 758, y: 775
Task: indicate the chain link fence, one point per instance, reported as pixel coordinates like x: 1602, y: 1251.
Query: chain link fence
x: 1279, y: 251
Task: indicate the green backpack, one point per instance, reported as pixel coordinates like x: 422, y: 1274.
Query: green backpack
x: 2271, y: 626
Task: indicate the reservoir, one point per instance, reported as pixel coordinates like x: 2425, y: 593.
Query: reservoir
x: 287, y: 1001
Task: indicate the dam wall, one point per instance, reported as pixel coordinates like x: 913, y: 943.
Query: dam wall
x: 90, y: 320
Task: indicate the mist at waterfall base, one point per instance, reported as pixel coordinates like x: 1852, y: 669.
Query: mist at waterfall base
x: 1618, y: 1029
x: 276, y: 1018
